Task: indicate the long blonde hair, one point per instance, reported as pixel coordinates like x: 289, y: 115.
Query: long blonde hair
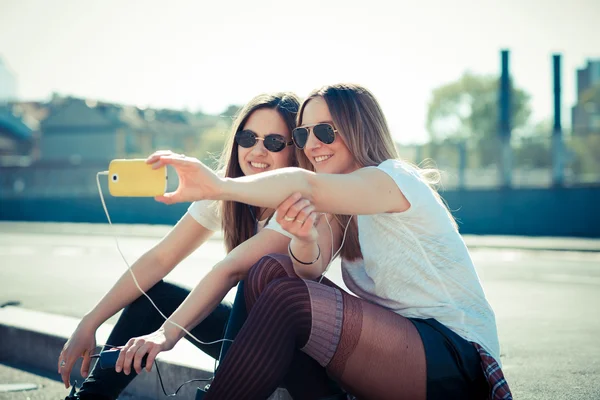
x: 358, y: 117
x: 239, y: 219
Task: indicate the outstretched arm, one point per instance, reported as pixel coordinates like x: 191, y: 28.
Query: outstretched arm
x: 365, y: 191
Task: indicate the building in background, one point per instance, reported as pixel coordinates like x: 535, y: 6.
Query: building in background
x: 16, y: 138
x: 20, y: 132
x: 79, y: 131
x: 55, y: 148
x: 586, y: 112
x: 8, y: 83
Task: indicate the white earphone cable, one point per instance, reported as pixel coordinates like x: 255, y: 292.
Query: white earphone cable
x: 333, y: 256
x: 134, y: 278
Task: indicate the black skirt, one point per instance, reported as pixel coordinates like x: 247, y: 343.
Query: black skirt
x: 453, y: 363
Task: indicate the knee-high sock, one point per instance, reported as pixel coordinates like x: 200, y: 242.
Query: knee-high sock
x: 372, y: 351
x: 260, y: 357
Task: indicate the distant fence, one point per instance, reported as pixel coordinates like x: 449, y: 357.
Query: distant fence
x: 531, y: 212
x: 473, y: 165
x: 89, y: 209
x: 62, y: 192
x: 528, y: 212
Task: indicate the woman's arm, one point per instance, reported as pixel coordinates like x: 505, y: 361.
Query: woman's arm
x: 308, y: 251
x: 151, y: 267
x: 217, y: 283
x: 315, y: 236
x: 201, y: 301
x: 365, y: 191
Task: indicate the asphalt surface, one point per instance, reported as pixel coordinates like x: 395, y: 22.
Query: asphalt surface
x: 546, y: 302
x: 48, y: 387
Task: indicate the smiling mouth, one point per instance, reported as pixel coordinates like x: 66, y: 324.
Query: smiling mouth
x: 258, y: 165
x: 320, y: 159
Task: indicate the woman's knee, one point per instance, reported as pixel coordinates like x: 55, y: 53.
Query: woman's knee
x: 286, y: 303
x: 162, y: 292
x: 268, y: 268
x: 284, y: 297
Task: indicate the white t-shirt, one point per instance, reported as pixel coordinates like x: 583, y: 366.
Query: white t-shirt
x: 208, y: 214
x: 416, y: 264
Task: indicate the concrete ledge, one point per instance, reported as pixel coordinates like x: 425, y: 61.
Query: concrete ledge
x: 534, y: 243
x: 35, y: 339
x: 157, y: 231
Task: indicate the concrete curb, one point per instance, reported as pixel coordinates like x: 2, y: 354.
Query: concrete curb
x: 158, y: 231
x: 533, y: 243
x: 35, y: 339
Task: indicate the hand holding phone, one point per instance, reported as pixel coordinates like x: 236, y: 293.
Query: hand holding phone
x: 108, y: 358
x: 136, y: 178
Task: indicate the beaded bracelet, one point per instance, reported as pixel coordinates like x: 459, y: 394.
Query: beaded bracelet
x: 302, y: 262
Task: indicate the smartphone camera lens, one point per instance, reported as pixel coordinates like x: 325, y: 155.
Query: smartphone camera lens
x: 115, y: 177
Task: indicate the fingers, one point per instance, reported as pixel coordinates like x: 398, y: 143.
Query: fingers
x: 129, y: 355
x: 304, y: 214
x: 169, y: 198
x: 125, y: 357
x: 298, y: 212
x: 178, y: 161
x: 151, y: 357
x: 196, y: 180
x: 65, y: 371
x: 307, y: 230
x: 287, y: 203
x: 309, y: 223
x: 133, y: 355
x: 156, y: 155
x: 85, y: 365
x: 139, y: 355
x: 289, y: 210
x: 65, y: 365
x: 61, y: 357
x: 298, y: 217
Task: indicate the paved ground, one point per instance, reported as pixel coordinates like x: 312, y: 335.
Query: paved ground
x: 546, y: 302
x: 48, y: 386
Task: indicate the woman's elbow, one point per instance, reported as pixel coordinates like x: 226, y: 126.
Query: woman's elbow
x: 229, y: 272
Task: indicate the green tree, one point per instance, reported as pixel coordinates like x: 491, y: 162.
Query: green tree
x: 231, y: 111
x: 584, y: 158
x: 584, y: 143
x: 591, y: 95
x: 467, y: 109
x: 212, y: 143
x: 533, y: 147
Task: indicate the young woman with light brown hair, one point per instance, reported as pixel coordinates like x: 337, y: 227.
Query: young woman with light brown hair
x: 260, y: 140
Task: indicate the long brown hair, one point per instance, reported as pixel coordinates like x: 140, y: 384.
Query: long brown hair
x: 363, y: 127
x: 238, y: 219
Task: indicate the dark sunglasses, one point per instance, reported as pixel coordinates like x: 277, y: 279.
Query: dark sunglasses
x: 323, y: 131
x: 273, y: 142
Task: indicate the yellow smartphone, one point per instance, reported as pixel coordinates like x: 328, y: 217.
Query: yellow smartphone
x: 135, y: 178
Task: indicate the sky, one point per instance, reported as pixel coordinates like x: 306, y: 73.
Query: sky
x: 207, y: 54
